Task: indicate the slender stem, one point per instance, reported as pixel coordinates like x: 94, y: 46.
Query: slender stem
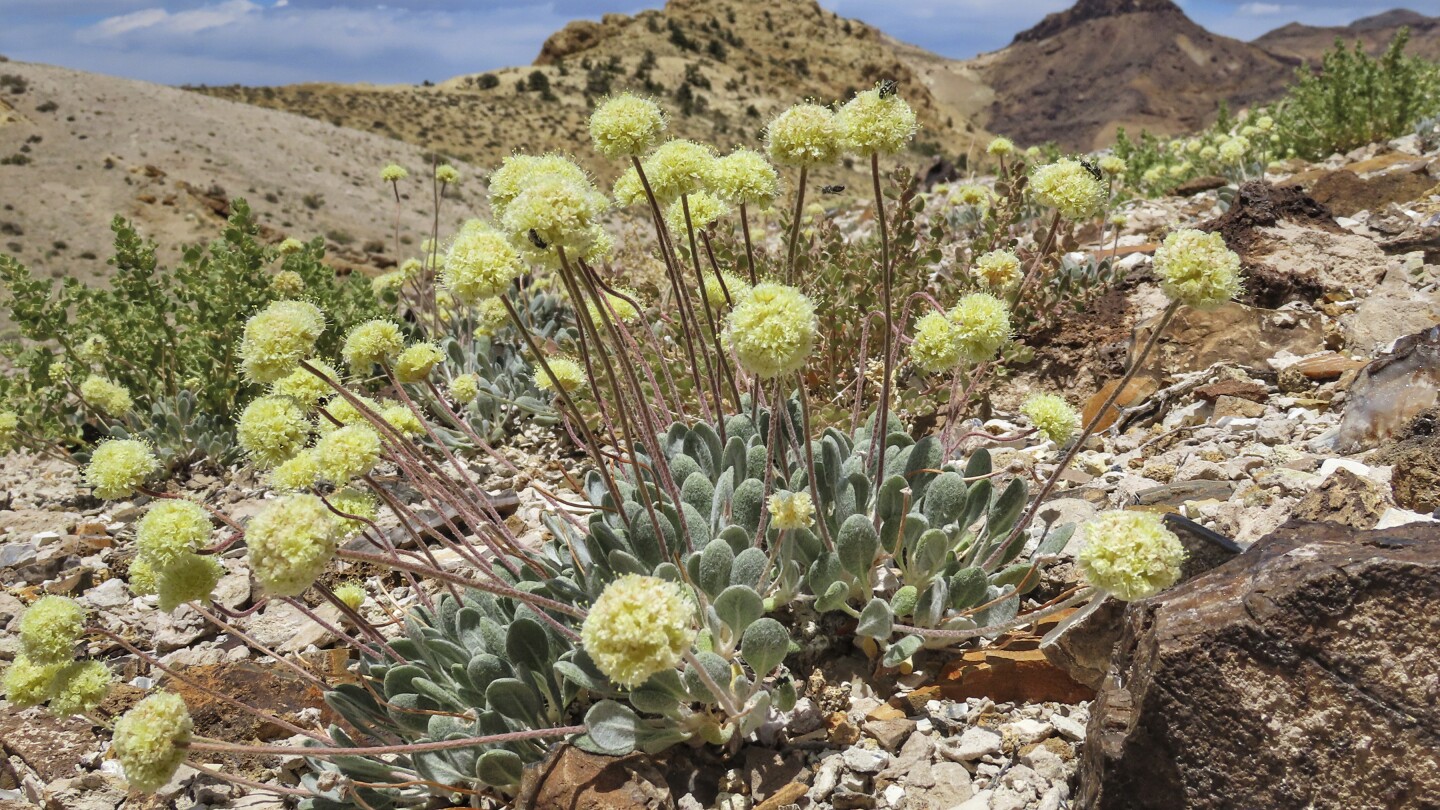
x: 380, y: 750
x: 1019, y: 621
x: 795, y: 227
x: 722, y: 695
x: 445, y: 576
x: 810, y: 462
x: 882, y: 426
x: 749, y: 246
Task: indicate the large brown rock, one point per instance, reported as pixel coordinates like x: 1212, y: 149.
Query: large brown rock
x: 1302, y: 674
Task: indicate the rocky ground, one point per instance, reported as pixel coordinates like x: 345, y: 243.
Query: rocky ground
x: 1312, y: 400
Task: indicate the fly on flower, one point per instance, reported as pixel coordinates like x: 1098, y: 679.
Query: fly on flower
x: 835, y: 189
x: 887, y: 88
x: 536, y: 240
x: 1091, y: 167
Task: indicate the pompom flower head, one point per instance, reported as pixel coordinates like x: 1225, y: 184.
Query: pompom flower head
x: 347, y: 453
x: 626, y: 125
x: 394, y: 173
x: 150, y: 738
x: 998, y: 269
x: 638, y: 627
x: 278, y: 337
x: 351, y: 594
x: 403, y: 419
x: 772, y: 330
x: 290, y: 542
x: 370, y: 343
x: 616, y: 307
x: 1052, y: 416
x: 1197, y: 269
x: 290, y: 245
x: 297, y: 473
x: 518, y: 172
x: 791, y: 510
x: 724, y: 290
x: 1130, y: 555
x: 465, y: 388
x: 982, y: 324
x: 936, y: 345
x: 480, y: 264
x: 1113, y: 165
x: 559, y: 211
x: 271, y: 429
x: 170, y: 530
x: 192, y: 578
x: 304, y: 387
x: 79, y: 688
x: 9, y: 427
x: 568, y: 375
x: 1068, y: 187
x: 628, y: 190
x: 705, y: 210
x: 1000, y: 147
x: 876, y: 123
x: 745, y: 177
x: 27, y: 683
x: 118, y: 467
x: 804, y: 135
x: 679, y: 167
x: 447, y: 175
x: 106, y: 395
x: 416, y: 362
x: 50, y: 628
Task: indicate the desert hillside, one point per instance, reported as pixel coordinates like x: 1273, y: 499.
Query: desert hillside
x: 78, y: 148
x: 1308, y: 43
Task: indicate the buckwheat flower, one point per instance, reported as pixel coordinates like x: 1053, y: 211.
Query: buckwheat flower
x: 568, y: 375
x: 491, y: 317
x: 464, y: 388
x: 626, y: 125
x: 982, y: 325
x: 416, y: 362
x: 1209, y: 153
x: 346, y: 413
x: 290, y: 542
x: 1197, y: 269
x: 192, y: 578
x: 9, y: 427
x: 602, y: 245
x: 705, y: 209
x: 638, y: 627
x: 1193, y: 145
x: 1233, y: 150
x: 679, y: 167
x: 49, y: 629
x: 93, y: 349
x: 480, y: 264
x: 394, y: 173
x: 290, y: 245
x: 1113, y: 165
x: 169, y: 530
x: 998, y: 268
x: 971, y: 195
x: 271, y: 429
x: 27, y: 683
x: 772, y: 330
x: 1264, y: 123
x: 560, y: 212
x: 1001, y: 147
x: 935, y: 347
x: 1130, y: 555
x: 351, y: 594
x: 1033, y: 153
x: 78, y: 688
x: 617, y: 308
x: 447, y: 175
x: 804, y: 135
x: 1153, y: 175
x: 403, y: 419
x: 371, y: 343
x: 298, y: 473
x: 628, y: 190
x: 106, y: 396
x: 347, y: 453
x: 1052, y: 416
x: 745, y: 177
x: 149, y: 740
x: 791, y: 510
x: 517, y: 172
x: 1181, y: 169
x: 143, y: 579
x: 304, y: 387
x: 724, y: 290
x: 875, y: 124
x: 1068, y: 187
x: 118, y: 467
x: 279, y: 337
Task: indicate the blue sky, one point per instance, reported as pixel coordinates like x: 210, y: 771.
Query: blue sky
x: 283, y: 41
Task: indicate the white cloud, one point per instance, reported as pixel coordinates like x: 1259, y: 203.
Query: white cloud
x: 179, y: 23
x: 1267, y: 9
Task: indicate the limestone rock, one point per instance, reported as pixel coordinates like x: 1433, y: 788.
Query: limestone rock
x: 1392, y: 390
x: 1300, y: 674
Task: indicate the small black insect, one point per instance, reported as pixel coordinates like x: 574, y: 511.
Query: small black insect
x: 887, y: 88
x: 836, y: 189
x: 1090, y: 167
x: 536, y: 240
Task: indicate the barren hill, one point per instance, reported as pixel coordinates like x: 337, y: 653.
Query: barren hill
x: 1080, y: 73
x: 78, y: 148
x: 1307, y: 43
x: 723, y: 68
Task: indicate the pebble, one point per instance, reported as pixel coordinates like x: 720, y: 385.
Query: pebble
x: 972, y: 745
x: 864, y: 760
x: 1069, y: 728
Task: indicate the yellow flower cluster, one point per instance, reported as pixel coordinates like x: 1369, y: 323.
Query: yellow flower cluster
x: 875, y: 123
x: 935, y: 347
x: 1052, y: 416
x: 480, y: 264
x: 982, y: 325
x: 772, y: 330
x: 279, y: 337
x: 568, y: 375
x: 557, y: 210
x: 804, y: 135
x: 1196, y: 268
x: 416, y: 362
x: 290, y: 542
x: 394, y: 173
x: 347, y: 453
x: 724, y: 290
x: 638, y: 627
x: 1068, y: 187
x: 304, y: 387
x: 791, y: 510
x: 998, y: 269
x: 465, y: 388
x: 1000, y: 147
x: 271, y: 429
x: 118, y: 467
x: 170, y: 530
x: 49, y: 629
x: 626, y: 125
x: 745, y: 177
x: 679, y: 167
x: 105, y: 395
x: 705, y: 209
x: 149, y: 740
x: 1130, y: 555
x: 447, y: 175
x: 370, y: 343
